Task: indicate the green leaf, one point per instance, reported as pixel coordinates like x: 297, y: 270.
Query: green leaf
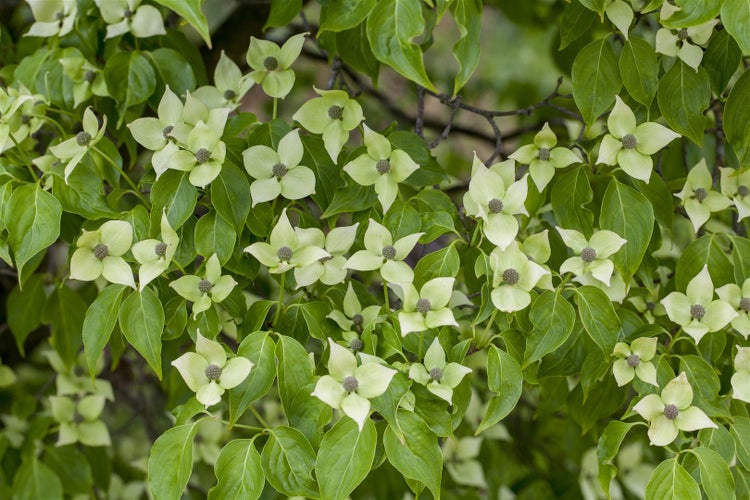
x: 505, y: 379
x: 693, y: 12
x: 553, y: 318
x: 736, y: 115
x: 214, y: 235
x: 173, y: 70
x: 229, y: 195
x: 629, y: 214
x: 34, y: 480
x: 705, y: 251
x: 354, y: 198
x: 598, y: 317
x: 702, y: 377
x: 596, y: 79
x: 35, y: 224
x: 314, y: 313
x: 71, y: 467
x: 391, y: 27
x: 402, y: 219
x: 238, y: 471
x: 640, y: 70
x: 171, y: 461
x: 683, y: 95
x: 595, y: 5
x: 341, y: 15
x: 174, y: 192
x: 720, y: 440
x: 576, y: 21
x: 142, y: 323
x: 435, y: 224
x: 418, y: 457
x: 64, y: 313
x: 130, y: 80
x: 735, y: 16
x: 345, y: 458
x: 99, y: 323
x: 721, y: 60
x: 354, y: 49
x: 258, y: 347
x: 468, y: 17
x: 190, y: 10
x: 670, y: 481
x: 282, y: 12
x: 569, y: 194
x: 444, y: 262
x: 740, y: 430
x: 608, y: 447
x: 24, y: 308
x: 660, y: 198
x: 716, y: 478
x: 288, y: 460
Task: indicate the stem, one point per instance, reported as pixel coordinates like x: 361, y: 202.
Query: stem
x: 257, y: 416
x: 26, y: 159
x: 280, y: 301
x: 421, y: 342
x: 275, y: 108
x: 128, y: 180
x: 489, y: 324
x: 475, y: 234
x: 241, y: 426
x: 385, y: 295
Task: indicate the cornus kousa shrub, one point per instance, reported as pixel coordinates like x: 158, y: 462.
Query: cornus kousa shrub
x: 375, y: 249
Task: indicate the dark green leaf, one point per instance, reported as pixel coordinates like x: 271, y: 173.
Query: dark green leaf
x: 142, y: 323
x: 25, y: 308
x: 576, y: 20
x: 568, y: 197
x: 721, y: 60
x: 341, y: 15
x: 345, y: 458
x: 596, y: 79
x: 282, y: 12
x: 640, y: 70
x: 553, y: 318
x: 598, y: 317
x: 214, y: 235
x: 258, y: 347
x: 505, y: 379
x: 99, y: 323
x: 736, y: 116
x: 288, y: 461
x: 468, y: 17
x: 682, y: 97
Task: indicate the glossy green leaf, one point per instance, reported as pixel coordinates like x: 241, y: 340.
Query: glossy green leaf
x: 171, y: 461
x: 721, y: 60
x: 418, y: 457
x: 705, y: 251
x: 736, y: 115
x: 505, y: 379
x: 670, y: 481
x: 229, y: 195
x: 640, y: 70
x: 716, y: 478
x: 345, y: 458
x: 596, y: 79
x: 569, y: 195
x: 341, y: 15
x: 468, y: 17
x: 130, y: 80
x: 598, y: 317
x: 683, y: 95
x: 258, y: 347
x: 99, y: 323
x: 402, y: 219
x: 142, y: 323
x: 444, y: 262
x: 238, y: 471
x: 190, y: 10
x: 214, y: 235
x: 553, y: 318
x: 288, y: 460
x: 576, y: 20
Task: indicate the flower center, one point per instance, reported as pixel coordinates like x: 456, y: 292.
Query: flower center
x: 78, y: 418
x: 25, y: 119
x: 634, y: 360
x: 202, y: 155
x: 588, y: 254
x: 167, y: 130
x: 270, y: 63
x: 436, y: 374
x: 279, y: 170
x: 743, y: 191
x: 100, y: 251
x: 350, y: 383
x: 160, y: 249
x: 356, y: 345
x: 89, y: 75
x: 383, y: 166
x: 127, y: 13
x: 389, y: 252
x: 745, y: 304
x: 510, y: 276
x: 60, y: 15
x: 336, y: 112
x: 495, y: 206
x: 284, y: 254
x: 229, y: 94
x: 83, y: 138
x: 629, y: 141
x: 682, y: 34
x: 671, y: 412
x: 700, y: 194
x: 544, y: 154
x: 204, y: 286
x: 650, y: 306
x: 697, y: 311
x: 213, y: 372
x: 357, y: 319
x: 423, y: 306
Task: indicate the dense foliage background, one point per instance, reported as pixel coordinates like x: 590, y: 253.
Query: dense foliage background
x: 375, y: 248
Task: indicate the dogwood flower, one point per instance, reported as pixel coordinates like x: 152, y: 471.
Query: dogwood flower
x: 543, y: 157
x: 496, y: 197
x: 212, y: 287
x: 629, y: 145
x: 460, y: 457
x: 514, y: 276
x: 74, y: 149
x: 123, y: 16
x: 279, y: 173
x: 672, y: 412
x: 53, y: 17
x: 155, y: 255
x: 204, y: 155
x: 427, y: 308
x: 328, y: 270
x: 536, y: 248
x: 381, y: 166
x: 635, y: 360
x: 593, y: 254
x: 100, y: 252
x: 696, y: 311
x: 737, y: 188
x: 333, y: 115
x: 155, y: 134
x: 349, y: 387
x: 229, y: 87
x: 739, y: 299
x: 439, y: 377
x: 381, y: 252
x: 685, y: 43
x: 354, y: 317
x: 87, y: 79
x: 271, y: 64
x: 647, y: 304
x: 698, y: 198
x: 79, y: 421
x: 11, y: 118
x: 741, y: 377
x: 208, y: 372
x: 285, y: 250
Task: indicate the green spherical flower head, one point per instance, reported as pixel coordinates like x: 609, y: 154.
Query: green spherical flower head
x: 671, y: 411
x: 700, y: 194
x: 100, y: 251
x: 495, y: 206
x: 682, y: 34
x: 270, y: 63
x: 743, y: 191
x: 745, y: 304
x: 436, y: 374
x: 629, y: 141
x: 202, y: 155
x: 60, y: 15
x: 204, y: 286
x: 383, y: 166
x: 423, y: 306
x: 697, y: 311
x: 160, y: 249
x: 356, y: 345
x: 127, y: 13
x: 634, y: 360
x: 510, y: 276
x: 229, y: 94
x: 83, y: 138
x: 544, y: 154
x: 357, y: 319
x: 279, y: 170
x: 389, y: 252
x: 336, y: 112
x: 284, y: 254
x: 350, y: 384
x: 588, y: 254
x: 167, y: 130
x: 213, y: 372
x: 89, y: 76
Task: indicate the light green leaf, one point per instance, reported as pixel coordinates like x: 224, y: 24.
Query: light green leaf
x: 670, y: 481
x: 402, y: 219
x: 345, y: 458
x: 716, y: 478
x: 570, y: 193
x: 99, y: 323
x: 721, y: 60
x: 34, y: 480
x: 391, y: 27
x: 282, y: 12
x: 736, y: 115
x: 258, y: 347
x: 238, y: 472
x: 229, y: 195
x: 130, y: 80
x: 214, y: 235
x: 419, y: 457
x: 142, y: 323
x: 341, y: 15
x: 693, y: 12
x: 288, y: 461
x: 596, y: 79
x: 505, y: 379
x: 608, y: 447
x: 171, y: 461
x: 735, y: 16
x: 468, y: 17
x: 444, y: 262
x: 740, y: 430
x: 683, y: 95
x: 640, y: 70
x: 598, y: 317
x: 553, y: 318
x: 190, y: 10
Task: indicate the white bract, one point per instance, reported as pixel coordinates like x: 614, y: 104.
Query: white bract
x: 741, y: 377
x: 698, y: 198
x: 382, y: 166
x: 439, y: 377
x: 212, y: 287
x: 736, y: 186
x: 696, y: 311
x: 593, y: 255
x: 543, y: 157
x: 203, y: 157
x: 739, y: 299
x: 629, y: 145
x: 73, y: 150
x: 381, y: 252
x: 155, y: 255
x: 461, y: 459
x: 123, y: 16
x: 53, y: 17
x: 685, y: 43
x: 271, y: 64
x: 354, y: 317
x: 426, y: 308
x: 279, y: 173
x: 349, y: 387
x: 229, y: 87
x: 514, y: 276
x: 79, y: 421
x: 208, y: 372
x: 672, y: 412
x: 100, y: 252
x: 496, y: 197
x: 635, y: 360
x: 328, y: 270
